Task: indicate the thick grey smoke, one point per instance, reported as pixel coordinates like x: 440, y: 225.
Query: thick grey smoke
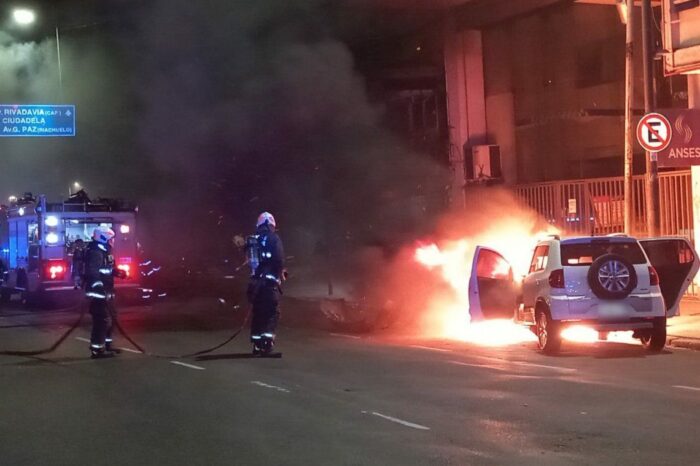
x: 26, y: 69
x: 257, y: 106
x: 209, y: 112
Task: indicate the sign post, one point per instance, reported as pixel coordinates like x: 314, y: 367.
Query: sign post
x: 37, y: 120
x: 652, y: 167
x: 629, y: 97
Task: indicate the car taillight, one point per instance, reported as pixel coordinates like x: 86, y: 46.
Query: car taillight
x: 653, y: 276
x: 556, y: 278
x: 126, y: 268
x: 55, y: 270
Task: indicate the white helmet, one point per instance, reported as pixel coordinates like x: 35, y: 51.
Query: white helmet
x: 103, y: 234
x: 266, y: 217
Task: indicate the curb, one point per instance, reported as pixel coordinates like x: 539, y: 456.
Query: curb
x: 683, y: 342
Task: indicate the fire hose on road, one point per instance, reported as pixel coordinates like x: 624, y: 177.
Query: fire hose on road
x: 123, y: 332
x: 128, y: 338
x: 58, y: 342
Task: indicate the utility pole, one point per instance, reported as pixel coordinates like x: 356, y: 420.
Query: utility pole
x: 629, y: 131
x: 652, y: 165
x: 60, y: 72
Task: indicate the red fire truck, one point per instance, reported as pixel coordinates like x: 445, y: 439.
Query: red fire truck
x: 37, y: 240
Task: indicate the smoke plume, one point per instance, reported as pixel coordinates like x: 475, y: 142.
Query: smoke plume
x: 257, y: 106
x: 207, y: 113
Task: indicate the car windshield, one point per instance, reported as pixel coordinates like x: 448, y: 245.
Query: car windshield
x: 580, y: 254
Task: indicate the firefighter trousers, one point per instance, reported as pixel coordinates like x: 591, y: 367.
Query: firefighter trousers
x: 265, y: 311
x: 101, y: 335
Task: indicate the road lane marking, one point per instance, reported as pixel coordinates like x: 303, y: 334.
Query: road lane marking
x: 685, y: 387
x: 556, y: 368
x: 398, y: 421
x: 86, y: 340
x: 354, y: 337
x: 442, y: 350
x: 482, y: 366
x: 191, y: 366
x: 263, y: 384
x: 523, y: 363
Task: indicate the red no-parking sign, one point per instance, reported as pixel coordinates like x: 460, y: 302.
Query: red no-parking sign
x: 654, y: 132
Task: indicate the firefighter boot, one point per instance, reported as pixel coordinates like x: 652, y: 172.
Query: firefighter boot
x: 100, y: 353
x: 266, y: 345
x: 110, y: 348
x: 256, y: 341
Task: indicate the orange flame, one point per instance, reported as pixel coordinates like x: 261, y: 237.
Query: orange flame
x: 449, y: 316
x: 583, y: 334
x: 580, y: 333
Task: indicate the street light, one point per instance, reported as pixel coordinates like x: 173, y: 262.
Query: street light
x: 76, y: 187
x: 24, y: 17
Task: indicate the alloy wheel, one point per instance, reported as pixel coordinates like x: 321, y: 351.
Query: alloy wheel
x: 614, y: 276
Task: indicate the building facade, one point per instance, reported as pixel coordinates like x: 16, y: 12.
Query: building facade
x: 547, y: 87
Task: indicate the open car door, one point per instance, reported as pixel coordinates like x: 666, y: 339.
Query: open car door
x: 491, y: 287
x: 676, y: 263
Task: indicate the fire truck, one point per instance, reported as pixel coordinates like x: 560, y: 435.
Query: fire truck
x: 37, y: 240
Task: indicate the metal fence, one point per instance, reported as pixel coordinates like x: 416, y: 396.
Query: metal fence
x: 596, y: 206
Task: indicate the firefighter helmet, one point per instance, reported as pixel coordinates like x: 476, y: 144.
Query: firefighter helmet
x: 266, y: 217
x: 103, y: 234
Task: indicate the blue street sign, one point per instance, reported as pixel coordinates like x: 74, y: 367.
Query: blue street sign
x: 37, y: 120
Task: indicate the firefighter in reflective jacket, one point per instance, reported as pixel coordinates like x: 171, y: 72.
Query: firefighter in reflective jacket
x: 99, y: 287
x: 266, y: 259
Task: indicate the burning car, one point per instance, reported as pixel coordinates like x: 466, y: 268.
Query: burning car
x: 613, y: 283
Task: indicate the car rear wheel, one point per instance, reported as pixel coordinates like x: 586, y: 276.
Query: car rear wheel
x: 655, y: 340
x: 611, y: 276
x: 548, y: 333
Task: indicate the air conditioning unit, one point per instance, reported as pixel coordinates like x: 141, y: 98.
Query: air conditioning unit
x: 483, y: 162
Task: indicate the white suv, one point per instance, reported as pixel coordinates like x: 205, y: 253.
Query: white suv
x: 609, y: 283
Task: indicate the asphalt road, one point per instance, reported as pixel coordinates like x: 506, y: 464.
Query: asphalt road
x: 335, y: 399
